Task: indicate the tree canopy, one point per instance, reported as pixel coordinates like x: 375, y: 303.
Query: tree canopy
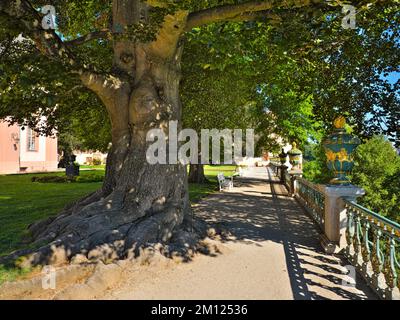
x: 341, y: 71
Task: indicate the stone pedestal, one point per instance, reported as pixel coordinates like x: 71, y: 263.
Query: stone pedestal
x: 294, y: 175
x: 334, y: 237
x: 282, y: 172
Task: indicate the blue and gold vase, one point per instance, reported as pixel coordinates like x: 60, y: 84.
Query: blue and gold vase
x: 339, y: 149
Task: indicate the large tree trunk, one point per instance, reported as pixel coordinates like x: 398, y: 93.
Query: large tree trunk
x: 139, y: 203
x: 196, y: 173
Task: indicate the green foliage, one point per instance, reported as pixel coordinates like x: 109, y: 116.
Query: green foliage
x: 216, y: 90
x: 11, y: 274
x: 96, y: 162
x: 91, y: 128
x: 85, y: 178
x: 377, y: 168
x: 392, y: 183
x: 34, y: 87
x: 304, y: 65
x: 234, y: 78
x: 52, y: 179
x: 91, y: 177
x: 315, y: 168
x: 351, y: 75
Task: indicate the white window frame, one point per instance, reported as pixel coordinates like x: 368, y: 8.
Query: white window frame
x: 31, y: 139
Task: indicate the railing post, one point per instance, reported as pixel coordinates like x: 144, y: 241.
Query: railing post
x: 334, y: 237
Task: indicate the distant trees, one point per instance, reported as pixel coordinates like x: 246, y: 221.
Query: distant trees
x: 377, y: 170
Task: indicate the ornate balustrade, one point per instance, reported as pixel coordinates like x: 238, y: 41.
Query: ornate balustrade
x: 369, y: 241
x: 312, y: 199
x: 373, y: 247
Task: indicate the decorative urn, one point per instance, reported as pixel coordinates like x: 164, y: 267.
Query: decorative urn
x: 295, y: 156
x: 282, y: 157
x: 339, y: 149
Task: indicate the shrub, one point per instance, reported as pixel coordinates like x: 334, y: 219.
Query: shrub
x: 376, y: 169
x: 316, y: 169
x: 93, y: 177
x: 392, y: 183
x: 52, y: 179
x: 87, y: 178
x: 97, y: 162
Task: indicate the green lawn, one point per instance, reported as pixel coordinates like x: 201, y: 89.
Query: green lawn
x: 97, y: 167
x: 23, y: 202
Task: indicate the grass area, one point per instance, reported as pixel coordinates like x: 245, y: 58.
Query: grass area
x: 197, y: 191
x: 23, y: 202
x: 98, y: 167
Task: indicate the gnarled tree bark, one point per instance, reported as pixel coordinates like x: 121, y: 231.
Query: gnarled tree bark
x: 139, y: 202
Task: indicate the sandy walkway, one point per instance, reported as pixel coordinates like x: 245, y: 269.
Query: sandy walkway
x: 276, y: 254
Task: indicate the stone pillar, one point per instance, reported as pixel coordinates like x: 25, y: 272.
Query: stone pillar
x: 334, y: 237
x: 294, y: 175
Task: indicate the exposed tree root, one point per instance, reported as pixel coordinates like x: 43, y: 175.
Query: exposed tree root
x: 108, y: 236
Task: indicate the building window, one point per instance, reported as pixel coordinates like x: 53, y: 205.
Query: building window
x: 32, y: 140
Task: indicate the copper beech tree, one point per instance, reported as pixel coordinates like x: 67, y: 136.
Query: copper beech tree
x: 137, y: 79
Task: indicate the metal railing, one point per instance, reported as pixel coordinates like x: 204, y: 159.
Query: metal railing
x: 312, y: 199
x: 373, y: 241
x: 373, y: 247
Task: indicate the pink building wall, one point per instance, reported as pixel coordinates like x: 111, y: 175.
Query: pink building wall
x: 9, y: 149
x: 15, y: 157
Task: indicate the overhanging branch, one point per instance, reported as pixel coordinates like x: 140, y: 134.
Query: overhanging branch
x: 243, y: 12
x: 101, y: 34
x: 23, y: 14
x: 255, y: 16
